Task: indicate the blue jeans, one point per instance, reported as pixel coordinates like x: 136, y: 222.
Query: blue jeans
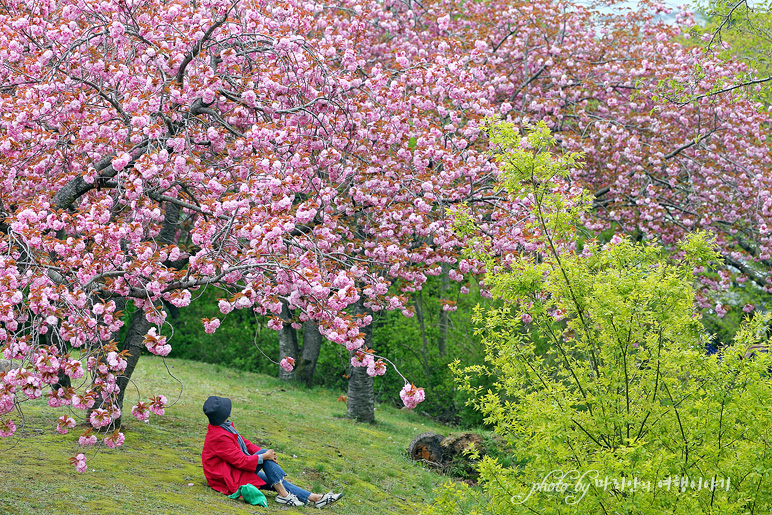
x: 272, y: 473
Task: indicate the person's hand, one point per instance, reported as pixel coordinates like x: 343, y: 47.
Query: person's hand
x: 270, y: 454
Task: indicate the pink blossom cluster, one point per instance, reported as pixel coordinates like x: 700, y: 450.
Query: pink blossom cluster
x: 157, y: 404
x: 60, y: 397
x: 362, y: 359
x: 100, y: 418
x: 87, y: 439
x: 7, y: 400
x: 79, y: 461
x: 157, y: 344
x: 141, y: 411
x: 29, y: 383
x: 116, y: 362
x: 287, y: 363
x: 7, y: 428
x: 367, y: 360
x: 84, y: 401
x: 73, y: 368
x: 64, y: 424
x: 210, y: 326
x: 376, y: 368
x: 114, y: 440
x: 411, y: 396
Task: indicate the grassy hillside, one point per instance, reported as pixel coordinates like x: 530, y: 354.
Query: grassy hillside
x: 152, y: 471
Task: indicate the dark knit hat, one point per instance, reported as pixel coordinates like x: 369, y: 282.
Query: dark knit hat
x: 217, y: 409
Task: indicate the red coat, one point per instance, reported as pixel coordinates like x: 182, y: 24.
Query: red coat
x: 227, y: 468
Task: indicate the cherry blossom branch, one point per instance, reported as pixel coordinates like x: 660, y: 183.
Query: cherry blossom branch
x: 196, y: 48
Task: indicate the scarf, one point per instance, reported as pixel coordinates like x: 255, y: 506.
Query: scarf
x: 228, y: 426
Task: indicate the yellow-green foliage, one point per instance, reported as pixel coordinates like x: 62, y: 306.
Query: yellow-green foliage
x: 610, y: 382
x: 151, y: 472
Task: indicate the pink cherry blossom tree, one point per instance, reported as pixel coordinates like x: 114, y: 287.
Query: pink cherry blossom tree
x: 671, y: 142
x: 154, y: 149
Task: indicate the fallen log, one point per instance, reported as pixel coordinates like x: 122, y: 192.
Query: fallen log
x: 426, y: 447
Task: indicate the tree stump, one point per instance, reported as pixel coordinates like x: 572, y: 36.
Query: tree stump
x: 426, y: 447
x: 457, y: 445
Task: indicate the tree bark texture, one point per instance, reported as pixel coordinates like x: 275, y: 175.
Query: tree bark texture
x: 288, y: 342
x: 139, y: 325
x: 135, y: 336
x: 312, y: 345
x: 361, y: 396
x: 444, y: 315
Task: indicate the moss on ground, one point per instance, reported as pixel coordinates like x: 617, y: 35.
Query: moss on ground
x: 153, y: 470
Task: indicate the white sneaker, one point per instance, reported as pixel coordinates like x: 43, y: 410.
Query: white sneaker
x: 290, y: 500
x: 327, y: 499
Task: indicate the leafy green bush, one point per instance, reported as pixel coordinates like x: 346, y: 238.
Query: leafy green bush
x: 619, y: 399
x: 414, y: 346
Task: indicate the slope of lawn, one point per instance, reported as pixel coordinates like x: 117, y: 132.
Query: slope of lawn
x: 158, y: 469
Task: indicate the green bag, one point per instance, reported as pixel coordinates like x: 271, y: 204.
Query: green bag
x: 251, y: 494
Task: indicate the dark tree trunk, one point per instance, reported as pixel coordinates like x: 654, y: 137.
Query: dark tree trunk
x: 419, y: 314
x: 168, y: 232
x: 361, y: 396
x: 288, y: 342
x: 443, y: 322
x: 312, y: 345
x: 135, y: 336
x: 139, y: 325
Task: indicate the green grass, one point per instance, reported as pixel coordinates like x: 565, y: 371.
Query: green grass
x: 151, y: 472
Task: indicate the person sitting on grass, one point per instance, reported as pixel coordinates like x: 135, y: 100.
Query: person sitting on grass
x: 230, y: 461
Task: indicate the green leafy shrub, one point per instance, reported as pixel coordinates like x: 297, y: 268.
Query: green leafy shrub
x: 607, y: 395
x: 414, y: 346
